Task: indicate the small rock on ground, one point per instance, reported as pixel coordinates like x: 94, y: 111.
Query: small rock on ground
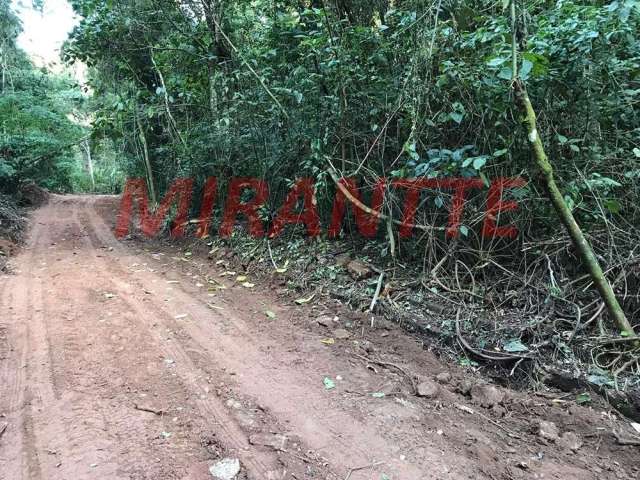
x: 341, y: 334
x: 325, y: 321
x: 359, y: 270
x: 428, y: 389
x: 343, y: 259
x: 225, y: 469
x: 486, y: 395
x: 548, y: 431
x: 443, y: 378
x: 570, y: 441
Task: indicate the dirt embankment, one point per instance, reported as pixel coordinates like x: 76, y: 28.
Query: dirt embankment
x: 13, y: 223
x: 120, y: 362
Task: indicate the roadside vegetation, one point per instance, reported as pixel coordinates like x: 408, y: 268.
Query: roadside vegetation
x: 283, y: 89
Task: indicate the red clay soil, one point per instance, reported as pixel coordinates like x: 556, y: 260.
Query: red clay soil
x: 118, y: 362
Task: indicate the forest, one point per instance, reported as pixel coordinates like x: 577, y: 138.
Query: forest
x: 320, y: 239
x: 402, y: 90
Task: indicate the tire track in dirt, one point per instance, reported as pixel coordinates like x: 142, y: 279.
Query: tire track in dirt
x: 260, y: 464
x: 80, y: 412
x: 77, y: 444
x: 47, y: 438
x: 86, y: 417
x: 18, y: 397
x: 230, y: 342
x: 231, y: 334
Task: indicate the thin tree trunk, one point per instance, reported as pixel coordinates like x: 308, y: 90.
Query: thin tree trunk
x: 3, y: 69
x: 583, y: 247
x: 172, y: 121
x: 218, y: 53
x: 87, y: 149
x: 566, y: 216
x: 213, y: 94
x: 147, y: 161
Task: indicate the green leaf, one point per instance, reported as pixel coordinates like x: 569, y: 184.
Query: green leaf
x: 583, y: 398
x: 485, y: 179
x: 614, y: 206
x: 540, y: 63
x: 302, y: 301
x: 270, y: 314
x: 501, y: 152
x: 410, y: 148
x: 479, y: 162
x: 496, y: 62
x: 601, y: 380
x: 456, y: 117
x: 636, y: 152
x: 464, y: 230
x: 329, y: 384
x: 515, y: 346
x: 505, y: 73
x: 378, y: 395
x: 525, y: 69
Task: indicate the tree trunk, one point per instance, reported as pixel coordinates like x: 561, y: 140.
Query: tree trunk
x: 87, y: 148
x: 147, y: 161
x: 583, y: 247
x: 566, y: 216
x: 218, y: 51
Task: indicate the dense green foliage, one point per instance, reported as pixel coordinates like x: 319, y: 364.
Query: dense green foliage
x: 279, y: 89
x: 283, y: 89
x: 40, y: 112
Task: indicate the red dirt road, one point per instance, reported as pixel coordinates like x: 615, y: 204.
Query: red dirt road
x: 96, y: 336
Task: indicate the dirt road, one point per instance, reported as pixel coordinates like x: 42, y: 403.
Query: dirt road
x: 117, y: 363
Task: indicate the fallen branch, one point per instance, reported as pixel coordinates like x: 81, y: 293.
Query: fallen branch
x: 499, y: 357
x: 582, y: 245
x: 365, y: 467
x: 626, y: 440
x: 149, y: 410
x: 357, y: 203
x: 377, y: 294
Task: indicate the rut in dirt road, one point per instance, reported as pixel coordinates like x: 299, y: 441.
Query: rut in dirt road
x: 115, y: 364
x: 88, y: 345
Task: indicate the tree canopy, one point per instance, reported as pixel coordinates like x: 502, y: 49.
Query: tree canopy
x: 37, y: 129
x: 399, y: 89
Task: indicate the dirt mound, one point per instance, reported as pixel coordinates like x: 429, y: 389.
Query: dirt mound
x: 12, y: 226
x: 7, y: 249
x: 12, y: 223
x: 33, y: 196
